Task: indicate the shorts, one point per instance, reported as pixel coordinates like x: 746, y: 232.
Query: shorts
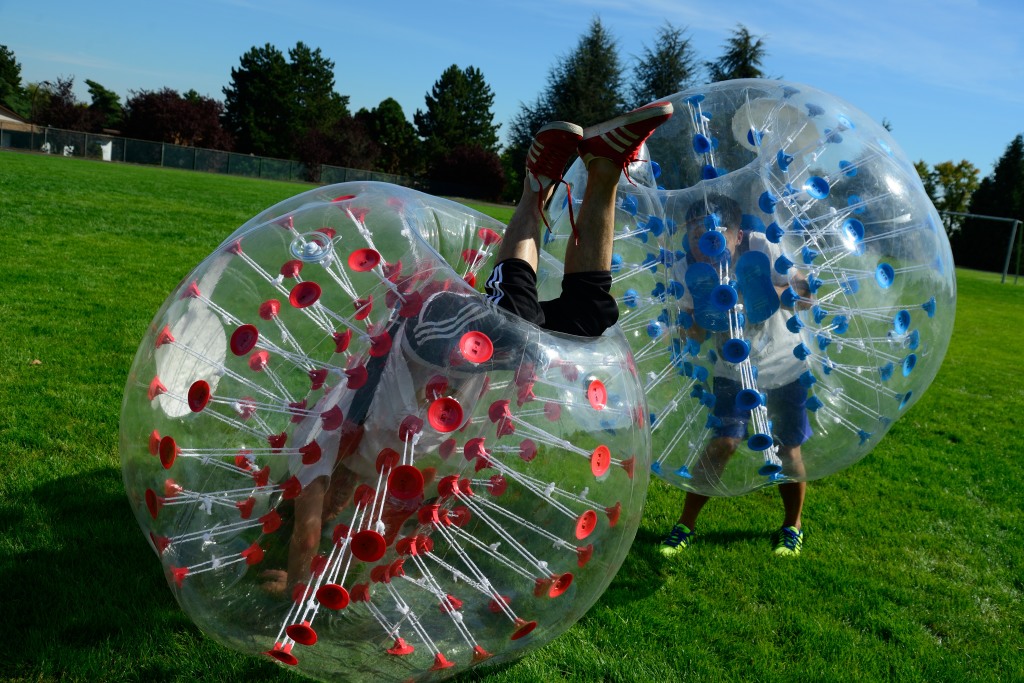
x: 585, y: 307
x: 787, y: 410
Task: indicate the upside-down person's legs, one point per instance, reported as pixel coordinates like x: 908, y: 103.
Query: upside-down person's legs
x: 512, y: 284
x: 552, y: 147
x: 522, y: 236
x: 595, y: 222
x: 586, y: 306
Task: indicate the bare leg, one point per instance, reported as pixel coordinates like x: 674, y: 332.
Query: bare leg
x: 692, y: 506
x: 792, y: 493
x: 596, y: 220
x: 522, y: 236
x: 304, y: 540
x: 306, y: 534
x: 709, y: 467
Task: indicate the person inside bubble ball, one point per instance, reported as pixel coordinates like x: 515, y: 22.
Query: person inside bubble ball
x: 585, y: 308
x: 770, y: 350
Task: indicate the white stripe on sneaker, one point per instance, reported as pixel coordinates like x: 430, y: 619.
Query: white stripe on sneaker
x: 625, y: 137
x: 614, y: 144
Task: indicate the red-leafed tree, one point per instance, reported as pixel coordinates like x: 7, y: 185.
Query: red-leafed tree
x: 167, y: 116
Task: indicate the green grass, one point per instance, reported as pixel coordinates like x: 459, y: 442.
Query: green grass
x: 912, y: 567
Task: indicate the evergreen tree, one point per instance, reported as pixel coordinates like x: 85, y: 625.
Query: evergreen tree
x: 395, y: 136
x: 11, y: 94
x: 458, y: 113
x: 665, y: 70
x: 742, y: 57
x: 315, y: 104
x: 106, y: 106
x: 259, y: 103
x: 983, y: 243
x: 585, y: 87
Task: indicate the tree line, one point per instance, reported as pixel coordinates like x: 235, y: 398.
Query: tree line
x: 286, y: 105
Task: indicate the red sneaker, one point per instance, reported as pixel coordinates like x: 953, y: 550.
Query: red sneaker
x: 619, y: 140
x: 553, y: 145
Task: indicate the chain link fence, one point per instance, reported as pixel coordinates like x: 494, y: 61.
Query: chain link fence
x: 111, y: 148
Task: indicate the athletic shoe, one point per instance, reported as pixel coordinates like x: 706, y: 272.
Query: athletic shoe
x: 552, y: 147
x: 619, y: 140
x: 679, y: 539
x: 787, y: 541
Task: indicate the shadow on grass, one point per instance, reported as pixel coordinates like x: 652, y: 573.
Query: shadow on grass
x: 86, y: 599
x: 645, y: 569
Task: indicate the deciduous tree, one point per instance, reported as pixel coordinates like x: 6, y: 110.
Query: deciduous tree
x: 950, y: 187
x: 166, y: 116
x: 59, y: 108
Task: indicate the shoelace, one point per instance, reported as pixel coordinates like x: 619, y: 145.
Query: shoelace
x: 629, y: 162
x: 540, y: 206
x: 676, y: 536
x: 790, y: 540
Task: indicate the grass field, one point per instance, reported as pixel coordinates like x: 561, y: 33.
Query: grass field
x: 913, y: 568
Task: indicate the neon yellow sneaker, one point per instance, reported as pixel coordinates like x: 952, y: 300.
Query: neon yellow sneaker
x: 679, y: 539
x: 787, y: 541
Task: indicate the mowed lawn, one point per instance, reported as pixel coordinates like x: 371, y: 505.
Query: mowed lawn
x: 913, y: 568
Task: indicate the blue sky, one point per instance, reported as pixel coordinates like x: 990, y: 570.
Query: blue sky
x: 948, y: 74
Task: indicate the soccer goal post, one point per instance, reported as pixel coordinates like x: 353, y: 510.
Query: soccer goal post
x: 1015, y: 235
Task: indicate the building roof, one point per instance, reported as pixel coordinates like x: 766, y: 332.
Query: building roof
x: 9, y: 116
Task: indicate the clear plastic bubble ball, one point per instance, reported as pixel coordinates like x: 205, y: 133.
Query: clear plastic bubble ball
x: 785, y: 283
x: 346, y: 460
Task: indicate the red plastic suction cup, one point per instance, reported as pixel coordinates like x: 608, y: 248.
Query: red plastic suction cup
x: 283, y: 654
x: 597, y: 395
x: 269, y: 309
x: 600, y: 460
x: 244, y: 339
x: 445, y: 414
x: 362, y: 260
x: 168, y: 452
x: 198, y: 395
x: 476, y: 347
x: 303, y: 633
x: 368, y: 546
x: 406, y: 482
x: 560, y: 584
x: 525, y: 627
x: 291, y: 269
x: 332, y: 596
x: 304, y: 294
x: 585, y: 524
